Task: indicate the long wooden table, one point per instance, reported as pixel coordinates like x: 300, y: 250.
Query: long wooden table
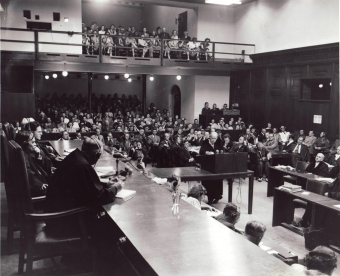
x: 275, y: 178
x: 191, y: 174
x: 191, y: 244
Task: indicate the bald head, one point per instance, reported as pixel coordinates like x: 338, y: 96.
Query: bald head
x: 213, y: 137
x: 92, y: 148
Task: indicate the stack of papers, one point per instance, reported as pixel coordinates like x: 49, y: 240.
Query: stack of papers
x: 159, y: 180
x: 327, y: 179
x: 124, y: 195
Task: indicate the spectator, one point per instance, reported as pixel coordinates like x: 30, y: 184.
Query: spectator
x: 254, y: 231
x: 321, y: 144
x: 231, y: 215
x: 195, y: 196
x: 309, y: 141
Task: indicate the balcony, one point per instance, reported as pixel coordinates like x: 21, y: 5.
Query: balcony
x: 40, y: 47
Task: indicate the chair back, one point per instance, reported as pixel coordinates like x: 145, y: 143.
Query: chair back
x: 317, y: 187
x: 301, y: 166
x: 20, y: 181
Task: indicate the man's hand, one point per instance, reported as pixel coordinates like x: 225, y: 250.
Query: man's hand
x: 43, y: 187
x: 119, y: 185
x: 191, y: 159
x: 326, y: 194
x: 58, y: 158
x: 37, y: 150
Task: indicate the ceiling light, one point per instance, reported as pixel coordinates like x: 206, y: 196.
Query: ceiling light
x: 55, y: 75
x: 129, y: 80
x: 330, y: 84
x: 106, y: 77
x: 126, y: 75
x: 65, y: 19
x: 65, y: 73
x: 152, y: 78
x: 47, y: 77
x: 320, y: 85
x: 178, y: 77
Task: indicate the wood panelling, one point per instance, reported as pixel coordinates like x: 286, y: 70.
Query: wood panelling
x: 275, y: 87
x: 15, y: 106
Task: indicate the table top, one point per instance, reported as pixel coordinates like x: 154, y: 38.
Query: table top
x: 297, y: 174
x: 276, y: 154
x: 190, y: 173
x: 191, y: 244
x: 307, y: 196
x: 60, y: 146
x: 330, y: 204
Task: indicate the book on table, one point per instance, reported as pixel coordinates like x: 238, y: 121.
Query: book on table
x: 124, y: 195
x: 291, y: 188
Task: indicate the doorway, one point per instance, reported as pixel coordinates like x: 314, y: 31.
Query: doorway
x: 182, y: 23
x: 175, y: 101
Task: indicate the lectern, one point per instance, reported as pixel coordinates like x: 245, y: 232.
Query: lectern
x: 224, y: 162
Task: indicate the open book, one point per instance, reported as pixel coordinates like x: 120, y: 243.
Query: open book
x: 124, y: 195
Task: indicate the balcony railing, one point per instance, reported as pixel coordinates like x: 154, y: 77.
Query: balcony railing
x: 104, y: 48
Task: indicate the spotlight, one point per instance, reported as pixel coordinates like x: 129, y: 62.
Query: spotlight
x: 330, y: 84
x: 65, y: 73
x: 126, y: 75
x: 55, y: 75
x: 178, y: 77
x: 320, y: 85
x: 129, y: 80
x: 152, y: 78
x: 47, y: 77
x: 65, y: 19
x: 106, y: 77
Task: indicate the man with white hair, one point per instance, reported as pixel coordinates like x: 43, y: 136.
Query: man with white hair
x: 319, y: 167
x: 214, y: 187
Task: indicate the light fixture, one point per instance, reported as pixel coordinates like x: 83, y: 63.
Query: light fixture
x: 55, y: 75
x: 223, y: 2
x: 126, y: 75
x: 330, y: 84
x: 152, y: 78
x: 106, y: 77
x: 178, y: 77
x: 65, y: 19
x: 65, y: 73
x: 129, y: 80
x: 320, y: 85
x: 47, y: 77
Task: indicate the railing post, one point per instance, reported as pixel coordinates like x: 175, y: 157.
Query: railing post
x: 100, y: 48
x: 213, y: 57
x: 36, y: 45
x: 162, y: 45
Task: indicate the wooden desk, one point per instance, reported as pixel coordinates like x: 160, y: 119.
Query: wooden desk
x: 193, y: 244
x: 275, y: 178
x: 191, y: 174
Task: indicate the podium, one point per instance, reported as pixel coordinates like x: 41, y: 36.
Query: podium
x: 224, y: 162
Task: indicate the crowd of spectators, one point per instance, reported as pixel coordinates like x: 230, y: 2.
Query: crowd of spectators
x: 119, y: 40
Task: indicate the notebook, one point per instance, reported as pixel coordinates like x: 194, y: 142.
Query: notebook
x: 124, y: 195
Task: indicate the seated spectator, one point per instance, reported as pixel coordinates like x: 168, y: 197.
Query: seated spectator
x: 254, y: 231
x: 64, y: 136
x: 321, y: 144
x: 284, y: 136
x: 78, y: 136
x: 231, y: 215
x: 173, y: 44
x: 334, y: 147
x: 195, y: 196
x: 241, y: 146
x: 320, y: 261
x: 276, y: 134
x: 214, y: 125
x: 302, y: 134
x: 140, y: 155
x: 185, y: 157
x: 334, y: 158
x: 289, y: 147
x: 204, y: 46
x: 98, y: 136
x: 37, y: 164
x: 309, y: 141
x: 193, y: 49
x: 269, y: 127
x: 272, y: 144
x: 70, y: 128
x: 249, y: 137
x: 318, y: 167
x: 227, y: 143
x: 263, y: 157
x: 262, y: 135
x: 299, y: 153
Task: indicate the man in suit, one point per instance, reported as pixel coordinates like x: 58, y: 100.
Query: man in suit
x: 290, y: 146
x: 334, y: 158
x: 154, y: 139
x: 185, y: 157
x: 309, y: 141
x: 241, y: 146
x: 186, y: 36
x: 262, y: 161
x: 98, y: 136
x: 164, y: 148
x: 299, y: 153
x: 112, y: 142
x: 214, y: 187
x: 322, y: 144
x: 271, y: 144
x: 319, y: 167
x: 250, y: 138
x: 262, y: 136
x: 141, y: 137
x: 302, y: 134
x: 206, y: 109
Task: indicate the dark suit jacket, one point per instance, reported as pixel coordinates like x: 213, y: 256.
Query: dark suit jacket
x: 237, y: 148
x: 184, y: 156
x: 207, y: 147
x: 334, y: 187
x: 321, y: 169
x: 290, y: 147
x: 206, y: 111
x: 304, y: 153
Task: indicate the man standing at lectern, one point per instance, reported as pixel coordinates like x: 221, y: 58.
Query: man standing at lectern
x: 214, y: 187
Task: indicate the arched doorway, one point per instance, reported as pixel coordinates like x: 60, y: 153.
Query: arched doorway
x: 175, y: 101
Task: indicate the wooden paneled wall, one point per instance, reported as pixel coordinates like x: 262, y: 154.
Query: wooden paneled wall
x: 16, y: 106
x: 270, y: 91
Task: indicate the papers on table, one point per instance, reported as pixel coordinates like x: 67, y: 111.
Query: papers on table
x: 305, y: 193
x: 124, y: 195
x: 68, y: 151
x: 159, y: 180
x: 337, y: 206
x: 327, y: 179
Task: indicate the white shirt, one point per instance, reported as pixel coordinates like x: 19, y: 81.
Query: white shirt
x: 284, y: 136
x: 297, y: 148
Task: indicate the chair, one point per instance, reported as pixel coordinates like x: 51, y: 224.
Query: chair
x: 314, y: 187
x: 35, y: 242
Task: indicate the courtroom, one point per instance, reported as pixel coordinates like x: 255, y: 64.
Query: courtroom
x: 170, y: 137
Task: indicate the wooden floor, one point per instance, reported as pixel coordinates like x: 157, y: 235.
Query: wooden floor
x: 262, y: 211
